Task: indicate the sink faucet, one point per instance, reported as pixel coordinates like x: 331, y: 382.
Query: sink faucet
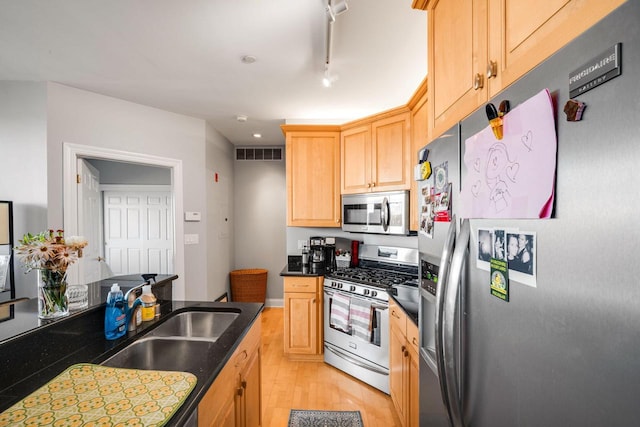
x: 130, y: 306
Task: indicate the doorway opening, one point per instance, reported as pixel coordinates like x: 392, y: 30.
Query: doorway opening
x: 153, y: 222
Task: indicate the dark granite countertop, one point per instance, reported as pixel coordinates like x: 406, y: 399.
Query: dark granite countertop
x: 34, y: 357
x: 410, y: 311
x: 22, y: 317
x: 299, y: 271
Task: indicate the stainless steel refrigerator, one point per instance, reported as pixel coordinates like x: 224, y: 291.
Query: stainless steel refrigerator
x: 567, y: 351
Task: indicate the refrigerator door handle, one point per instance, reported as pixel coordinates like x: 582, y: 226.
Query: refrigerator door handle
x: 445, y: 262
x: 451, y: 310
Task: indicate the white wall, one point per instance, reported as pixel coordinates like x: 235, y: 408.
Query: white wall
x: 220, y: 212
x: 127, y: 173
x: 260, y: 220
x: 85, y: 118
x: 23, y: 157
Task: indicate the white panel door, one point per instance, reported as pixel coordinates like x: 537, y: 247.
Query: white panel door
x: 89, y: 222
x: 138, y: 228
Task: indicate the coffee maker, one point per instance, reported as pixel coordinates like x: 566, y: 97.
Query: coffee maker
x: 316, y: 254
x: 329, y: 254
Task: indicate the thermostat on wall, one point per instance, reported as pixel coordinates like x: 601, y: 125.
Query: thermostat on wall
x: 192, y: 216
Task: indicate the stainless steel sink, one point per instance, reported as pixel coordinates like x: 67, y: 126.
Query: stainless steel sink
x: 175, y: 344
x: 159, y: 353
x: 195, y: 325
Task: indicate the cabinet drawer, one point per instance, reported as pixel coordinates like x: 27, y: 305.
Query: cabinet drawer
x: 248, y: 345
x: 300, y: 284
x: 397, y: 318
x: 412, y: 336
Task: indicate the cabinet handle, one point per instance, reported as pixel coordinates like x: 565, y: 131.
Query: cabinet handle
x: 369, y: 185
x: 478, y: 82
x: 394, y: 314
x: 243, y: 384
x: 414, y: 341
x: 244, y: 357
x: 406, y: 353
x: 373, y: 184
x: 403, y: 349
x: 492, y: 69
x: 313, y: 301
x: 240, y: 392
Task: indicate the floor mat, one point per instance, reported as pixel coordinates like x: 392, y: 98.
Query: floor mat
x: 305, y: 418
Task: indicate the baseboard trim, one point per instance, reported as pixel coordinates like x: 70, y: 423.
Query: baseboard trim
x: 274, y: 302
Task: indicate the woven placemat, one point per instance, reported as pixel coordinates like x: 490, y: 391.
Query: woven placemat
x: 99, y: 395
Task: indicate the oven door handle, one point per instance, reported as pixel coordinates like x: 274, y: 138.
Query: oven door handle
x: 373, y: 305
x: 356, y: 362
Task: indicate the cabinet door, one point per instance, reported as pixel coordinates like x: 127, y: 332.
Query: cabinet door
x: 522, y: 33
x: 355, y: 160
x: 419, y: 139
x: 390, y: 147
x: 217, y: 407
x: 413, y: 404
x: 227, y: 417
x: 313, y: 179
x: 251, y: 407
x: 300, y: 323
x: 396, y: 372
x: 457, y: 42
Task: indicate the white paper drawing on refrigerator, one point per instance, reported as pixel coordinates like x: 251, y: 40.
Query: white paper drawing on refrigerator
x: 513, y: 177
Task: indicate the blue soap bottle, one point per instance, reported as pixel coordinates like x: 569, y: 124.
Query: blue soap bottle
x: 115, y: 317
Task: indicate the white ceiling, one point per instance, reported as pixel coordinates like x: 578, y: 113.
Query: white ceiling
x: 185, y: 56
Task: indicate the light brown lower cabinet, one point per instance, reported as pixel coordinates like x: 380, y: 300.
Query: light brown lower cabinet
x: 233, y: 400
x: 404, y: 376
x: 303, y: 312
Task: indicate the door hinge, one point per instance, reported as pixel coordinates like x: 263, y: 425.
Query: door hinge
x: 77, y: 178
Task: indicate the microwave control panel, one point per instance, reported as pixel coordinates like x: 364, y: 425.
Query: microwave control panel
x: 429, y: 276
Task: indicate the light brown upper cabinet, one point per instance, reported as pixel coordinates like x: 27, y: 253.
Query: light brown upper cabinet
x: 375, y: 156
x: 313, y: 175
x: 419, y: 138
x: 476, y: 48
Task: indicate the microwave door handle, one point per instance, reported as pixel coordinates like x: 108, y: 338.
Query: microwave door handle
x: 384, y: 214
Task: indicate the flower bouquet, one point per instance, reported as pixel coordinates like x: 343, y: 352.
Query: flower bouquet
x: 51, y: 254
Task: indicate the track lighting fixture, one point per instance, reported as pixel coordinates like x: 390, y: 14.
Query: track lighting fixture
x: 334, y: 8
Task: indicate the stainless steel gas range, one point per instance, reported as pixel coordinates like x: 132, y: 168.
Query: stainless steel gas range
x: 356, y: 311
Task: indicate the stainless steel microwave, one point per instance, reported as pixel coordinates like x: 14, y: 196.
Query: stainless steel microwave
x: 382, y: 213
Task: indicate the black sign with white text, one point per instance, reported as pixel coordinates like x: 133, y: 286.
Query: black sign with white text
x: 598, y: 70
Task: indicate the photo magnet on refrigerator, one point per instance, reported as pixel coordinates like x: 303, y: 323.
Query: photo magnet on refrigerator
x: 499, y: 279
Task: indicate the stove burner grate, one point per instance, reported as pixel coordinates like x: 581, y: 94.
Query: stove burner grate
x: 372, y: 277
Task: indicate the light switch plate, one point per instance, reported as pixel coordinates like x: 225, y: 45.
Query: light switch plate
x: 192, y: 216
x: 191, y: 239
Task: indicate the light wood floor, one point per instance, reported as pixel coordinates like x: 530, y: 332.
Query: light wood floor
x: 290, y: 385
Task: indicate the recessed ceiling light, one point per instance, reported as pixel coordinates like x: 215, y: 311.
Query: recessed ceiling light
x: 257, y: 135
x: 248, y: 59
x: 241, y: 118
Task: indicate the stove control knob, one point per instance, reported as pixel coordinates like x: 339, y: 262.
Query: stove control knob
x: 334, y: 285
x: 366, y: 291
x: 374, y: 293
x: 339, y: 285
x: 352, y: 288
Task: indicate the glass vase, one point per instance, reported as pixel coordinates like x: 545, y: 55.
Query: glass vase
x: 52, y: 294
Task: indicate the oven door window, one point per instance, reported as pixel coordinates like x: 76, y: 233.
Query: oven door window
x: 360, y: 318
x: 363, y: 214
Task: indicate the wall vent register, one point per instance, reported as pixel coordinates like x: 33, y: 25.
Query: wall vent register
x: 259, y: 153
